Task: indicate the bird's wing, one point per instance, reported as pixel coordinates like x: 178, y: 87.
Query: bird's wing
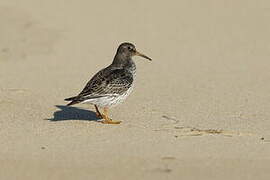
x: 107, y: 83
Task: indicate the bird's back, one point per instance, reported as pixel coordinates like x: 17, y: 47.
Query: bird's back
x: 110, y: 85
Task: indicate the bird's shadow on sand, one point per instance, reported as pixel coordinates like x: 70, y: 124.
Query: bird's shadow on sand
x: 73, y: 113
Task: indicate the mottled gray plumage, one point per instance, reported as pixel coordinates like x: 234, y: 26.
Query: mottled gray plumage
x: 112, y: 84
x: 107, y: 82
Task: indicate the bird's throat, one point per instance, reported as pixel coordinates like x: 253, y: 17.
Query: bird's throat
x: 120, y: 60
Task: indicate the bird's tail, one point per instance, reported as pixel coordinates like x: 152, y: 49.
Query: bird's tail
x: 71, y: 98
x: 74, y: 100
x: 78, y: 99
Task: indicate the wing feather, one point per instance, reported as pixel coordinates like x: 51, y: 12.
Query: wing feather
x: 108, y: 82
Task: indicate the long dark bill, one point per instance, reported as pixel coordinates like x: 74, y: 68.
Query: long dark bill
x: 142, y: 55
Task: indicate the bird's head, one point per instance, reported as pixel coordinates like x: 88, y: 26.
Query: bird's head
x: 128, y: 50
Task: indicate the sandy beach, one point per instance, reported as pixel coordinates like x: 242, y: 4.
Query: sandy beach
x: 199, y: 110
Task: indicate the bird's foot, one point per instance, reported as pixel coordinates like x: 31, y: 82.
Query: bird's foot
x: 106, y: 118
x: 110, y: 121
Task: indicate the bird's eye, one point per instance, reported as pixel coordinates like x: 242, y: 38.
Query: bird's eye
x: 129, y: 48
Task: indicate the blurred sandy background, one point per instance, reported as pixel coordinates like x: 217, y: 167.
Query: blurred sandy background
x: 200, y: 110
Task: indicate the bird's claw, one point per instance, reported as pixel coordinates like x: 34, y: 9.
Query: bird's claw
x: 110, y: 121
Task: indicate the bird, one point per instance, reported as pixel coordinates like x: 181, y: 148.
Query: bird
x: 112, y: 85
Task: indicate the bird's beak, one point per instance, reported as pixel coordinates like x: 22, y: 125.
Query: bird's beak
x: 142, y: 55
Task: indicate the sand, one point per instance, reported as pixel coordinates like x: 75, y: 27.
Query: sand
x: 200, y: 109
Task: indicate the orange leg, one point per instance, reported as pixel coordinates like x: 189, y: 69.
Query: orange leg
x: 98, y: 114
x: 106, y: 118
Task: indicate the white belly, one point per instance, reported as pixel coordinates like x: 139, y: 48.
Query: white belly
x: 110, y: 100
